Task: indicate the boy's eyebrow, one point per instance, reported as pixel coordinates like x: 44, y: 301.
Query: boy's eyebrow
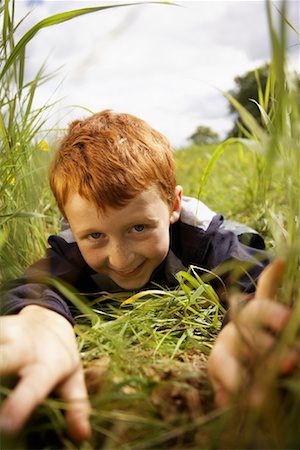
x: 136, y: 221
x: 95, y: 229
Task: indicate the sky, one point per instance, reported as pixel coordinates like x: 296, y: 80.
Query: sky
x: 166, y: 64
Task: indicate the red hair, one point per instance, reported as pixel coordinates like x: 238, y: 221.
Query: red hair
x: 109, y: 158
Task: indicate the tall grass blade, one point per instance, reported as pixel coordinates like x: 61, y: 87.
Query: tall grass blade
x: 51, y: 21
x: 248, y: 120
x: 212, y: 161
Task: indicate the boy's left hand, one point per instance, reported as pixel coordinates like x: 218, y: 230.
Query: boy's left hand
x: 246, y: 342
x: 39, y: 346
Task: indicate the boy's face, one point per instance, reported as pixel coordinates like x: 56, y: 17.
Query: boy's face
x: 126, y: 244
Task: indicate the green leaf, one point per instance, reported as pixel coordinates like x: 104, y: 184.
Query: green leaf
x: 287, y: 21
x: 263, y: 113
x: 49, y: 22
x: 215, y: 156
x: 23, y: 215
x: 69, y: 292
x: 182, y: 275
x: 142, y: 294
x: 247, y: 119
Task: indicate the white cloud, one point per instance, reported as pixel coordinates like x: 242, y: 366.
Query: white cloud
x: 167, y: 64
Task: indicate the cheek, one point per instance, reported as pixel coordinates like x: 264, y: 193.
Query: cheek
x: 158, y: 246
x: 91, y: 257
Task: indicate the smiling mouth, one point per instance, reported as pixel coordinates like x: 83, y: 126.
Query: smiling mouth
x: 129, y: 273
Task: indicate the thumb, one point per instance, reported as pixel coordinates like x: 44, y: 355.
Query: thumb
x: 269, y: 280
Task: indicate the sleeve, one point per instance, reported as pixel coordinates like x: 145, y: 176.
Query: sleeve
x: 238, y: 264
x: 34, y: 294
x: 30, y: 289
x: 252, y: 262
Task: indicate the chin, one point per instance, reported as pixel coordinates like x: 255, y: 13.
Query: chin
x: 132, y: 285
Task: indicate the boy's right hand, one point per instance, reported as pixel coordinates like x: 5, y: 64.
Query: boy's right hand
x: 39, y: 346
x: 248, y: 344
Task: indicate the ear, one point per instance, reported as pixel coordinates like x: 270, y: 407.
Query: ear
x: 175, y: 212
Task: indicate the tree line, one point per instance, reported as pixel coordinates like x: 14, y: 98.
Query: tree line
x: 246, y: 92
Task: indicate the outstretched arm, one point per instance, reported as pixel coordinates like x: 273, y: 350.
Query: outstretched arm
x: 247, y: 340
x: 39, y: 346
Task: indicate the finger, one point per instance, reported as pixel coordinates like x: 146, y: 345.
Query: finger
x: 74, y: 392
x: 224, y: 368
x: 269, y: 280
x: 264, y: 313
x: 226, y: 382
x: 253, y: 346
x: 267, y: 374
x: 31, y: 390
x: 222, y: 396
x: 9, y: 327
x: 11, y: 359
x: 14, y: 347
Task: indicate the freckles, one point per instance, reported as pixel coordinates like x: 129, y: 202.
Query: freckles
x: 158, y: 245
x: 92, y: 259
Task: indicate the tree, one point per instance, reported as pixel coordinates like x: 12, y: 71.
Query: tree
x: 204, y: 135
x: 245, y: 91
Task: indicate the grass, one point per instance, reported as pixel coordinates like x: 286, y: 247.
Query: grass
x: 145, y: 356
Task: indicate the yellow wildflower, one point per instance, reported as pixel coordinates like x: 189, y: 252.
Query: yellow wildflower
x: 10, y: 179
x: 43, y: 145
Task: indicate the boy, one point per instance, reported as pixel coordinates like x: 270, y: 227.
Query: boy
x: 113, y: 178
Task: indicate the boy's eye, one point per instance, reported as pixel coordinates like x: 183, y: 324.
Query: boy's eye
x: 95, y: 236
x: 138, y: 228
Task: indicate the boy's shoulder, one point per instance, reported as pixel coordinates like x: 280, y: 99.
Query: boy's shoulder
x: 199, y: 216
x: 196, y: 214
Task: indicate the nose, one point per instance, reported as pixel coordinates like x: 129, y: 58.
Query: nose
x: 120, y: 256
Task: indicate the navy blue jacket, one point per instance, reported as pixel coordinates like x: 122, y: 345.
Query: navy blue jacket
x: 201, y: 238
